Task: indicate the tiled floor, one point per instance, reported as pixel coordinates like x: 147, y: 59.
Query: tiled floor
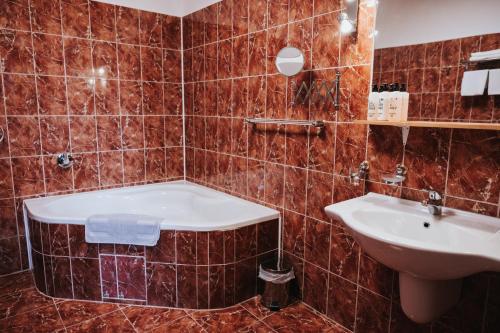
x: 23, y: 309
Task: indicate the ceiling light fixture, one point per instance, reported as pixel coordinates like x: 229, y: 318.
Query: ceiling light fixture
x: 349, y: 17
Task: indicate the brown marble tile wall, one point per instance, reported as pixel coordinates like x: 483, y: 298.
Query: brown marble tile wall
x: 433, y: 74
x: 230, y: 74
x: 186, y: 269
x: 96, y: 80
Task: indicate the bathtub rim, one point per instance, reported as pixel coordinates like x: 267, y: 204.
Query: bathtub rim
x: 271, y: 213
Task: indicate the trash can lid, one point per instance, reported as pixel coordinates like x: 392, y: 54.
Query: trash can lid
x: 275, y: 266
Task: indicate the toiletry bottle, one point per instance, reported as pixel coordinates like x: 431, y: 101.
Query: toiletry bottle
x: 373, y: 103
x: 383, y: 102
x: 405, y: 97
x: 394, y: 108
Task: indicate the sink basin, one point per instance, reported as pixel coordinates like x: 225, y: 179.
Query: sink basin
x: 431, y: 253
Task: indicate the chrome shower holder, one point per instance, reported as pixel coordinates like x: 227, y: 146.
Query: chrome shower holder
x: 65, y: 160
x: 398, y: 177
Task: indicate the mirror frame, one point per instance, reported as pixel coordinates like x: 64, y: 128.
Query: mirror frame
x: 296, y: 70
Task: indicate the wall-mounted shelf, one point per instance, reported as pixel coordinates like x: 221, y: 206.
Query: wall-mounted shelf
x: 434, y: 124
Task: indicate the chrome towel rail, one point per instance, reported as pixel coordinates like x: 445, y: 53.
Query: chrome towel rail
x: 314, y: 123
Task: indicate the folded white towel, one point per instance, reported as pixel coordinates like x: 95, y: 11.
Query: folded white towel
x: 494, y: 82
x: 482, y: 58
x: 123, y: 229
x: 474, y: 83
x: 485, y: 53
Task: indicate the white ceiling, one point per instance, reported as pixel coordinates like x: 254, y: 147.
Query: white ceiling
x: 170, y: 7
x: 424, y: 21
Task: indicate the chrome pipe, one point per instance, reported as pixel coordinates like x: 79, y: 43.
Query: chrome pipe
x: 314, y: 123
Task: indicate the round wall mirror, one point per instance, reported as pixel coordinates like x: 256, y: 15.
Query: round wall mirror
x: 290, y: 61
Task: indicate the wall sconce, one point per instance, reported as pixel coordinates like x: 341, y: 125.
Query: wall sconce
x: 349, y: 17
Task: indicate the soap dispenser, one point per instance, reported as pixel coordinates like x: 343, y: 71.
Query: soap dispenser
x: 383, y: 102
x: 394, y: 103
x: 373, y: 100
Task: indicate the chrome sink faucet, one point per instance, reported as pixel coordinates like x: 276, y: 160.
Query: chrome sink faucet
x: 356, y: 177
x: 435, y: 203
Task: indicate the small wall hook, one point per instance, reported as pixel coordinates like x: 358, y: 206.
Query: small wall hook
x: 64, y: 160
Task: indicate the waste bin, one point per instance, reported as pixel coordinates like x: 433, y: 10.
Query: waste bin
x: 277, y: 277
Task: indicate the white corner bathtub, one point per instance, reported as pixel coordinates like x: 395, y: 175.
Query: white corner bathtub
x: 182, y: 206
x: 207, y: 255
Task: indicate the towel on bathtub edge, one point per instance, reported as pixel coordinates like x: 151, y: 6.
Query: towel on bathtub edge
x: 130, y: 229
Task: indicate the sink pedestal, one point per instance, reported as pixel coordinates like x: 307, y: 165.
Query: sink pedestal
x: 425, y: 300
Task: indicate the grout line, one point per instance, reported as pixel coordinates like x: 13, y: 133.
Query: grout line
x: 70, y: 263
x: 59, y: 314
x: 100, y: 272
x: 9, y: 158
x: 66, y: 93
x: 267, y: 27
x: 51, y: 261
x: 176, y: 273
x: 142, y: 106
x: 70, y: 135
x: 117, y: 279
x: 37, y: 116
x: 117, y: 6
x: 39, y: 138
x: 92, y: 152
x: 89, y: 38
x: 86, y: 77
x: 128, y: 320
x: 164, y: 118
x: 91, y: 189
x: 445, y: 194
x: 145, y: 261
x: 324, y: 316
x: 120, y: 114
x: 190, y: 315
x: 208, y: 268
x: 183, y: 94
x: 196, y: 268
x: 74, y: 325
x: 312, y: 70
x: 335, y: 174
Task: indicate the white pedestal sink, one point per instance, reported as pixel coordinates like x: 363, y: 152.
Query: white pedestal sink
x: 431, y: 253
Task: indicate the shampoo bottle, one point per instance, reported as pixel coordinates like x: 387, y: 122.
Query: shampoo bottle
x: 405, y: 97
x: 383, y: 102
x: 373, y: 100
x: 394, y: 108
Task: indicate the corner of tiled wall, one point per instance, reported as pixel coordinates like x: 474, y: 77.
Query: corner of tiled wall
x: 230, y: 74
x: 99, y: 81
